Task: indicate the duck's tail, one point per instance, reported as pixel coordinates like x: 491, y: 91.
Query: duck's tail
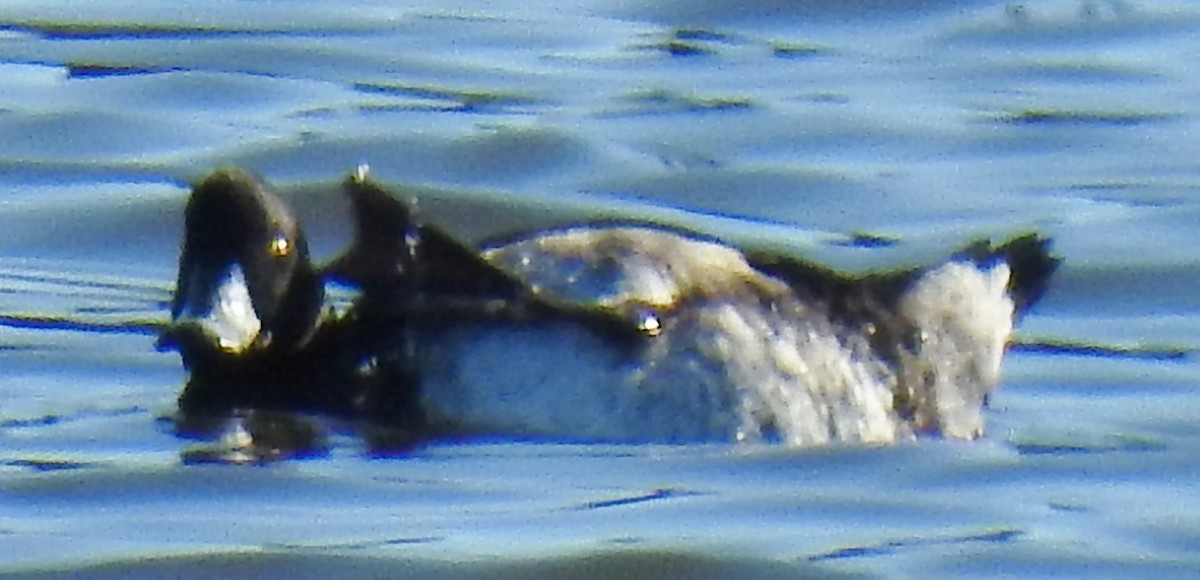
x: 1030, y: 261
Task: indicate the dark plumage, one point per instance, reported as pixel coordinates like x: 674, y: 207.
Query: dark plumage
x: 595, y: 332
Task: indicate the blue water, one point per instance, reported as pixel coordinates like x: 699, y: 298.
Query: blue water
x: 792, y: 125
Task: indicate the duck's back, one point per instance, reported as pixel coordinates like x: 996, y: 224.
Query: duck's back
x: 717, y: 351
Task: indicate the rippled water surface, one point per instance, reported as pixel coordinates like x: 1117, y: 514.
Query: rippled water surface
x: 811, y: 126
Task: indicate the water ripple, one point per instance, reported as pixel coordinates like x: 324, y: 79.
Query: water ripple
x: 891, y: 547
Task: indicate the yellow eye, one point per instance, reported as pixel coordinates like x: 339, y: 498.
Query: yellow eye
x: 280, y: 246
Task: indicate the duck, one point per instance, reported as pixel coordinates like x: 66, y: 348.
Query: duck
x: 591, y: 332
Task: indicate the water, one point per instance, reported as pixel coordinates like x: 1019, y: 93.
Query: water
x: 794, y: 125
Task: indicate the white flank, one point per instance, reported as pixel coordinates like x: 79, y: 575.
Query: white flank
x: 740, y: 357
x: 965, y: 316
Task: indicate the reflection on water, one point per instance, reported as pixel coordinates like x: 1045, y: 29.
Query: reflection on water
x: 862, y: 133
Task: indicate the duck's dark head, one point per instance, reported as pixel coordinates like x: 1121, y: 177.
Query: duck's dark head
x: 246, y: 287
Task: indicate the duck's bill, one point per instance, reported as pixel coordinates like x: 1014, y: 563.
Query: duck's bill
x: 216, y: 317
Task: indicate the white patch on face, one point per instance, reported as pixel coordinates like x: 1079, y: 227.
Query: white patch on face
x: 229, y: 317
